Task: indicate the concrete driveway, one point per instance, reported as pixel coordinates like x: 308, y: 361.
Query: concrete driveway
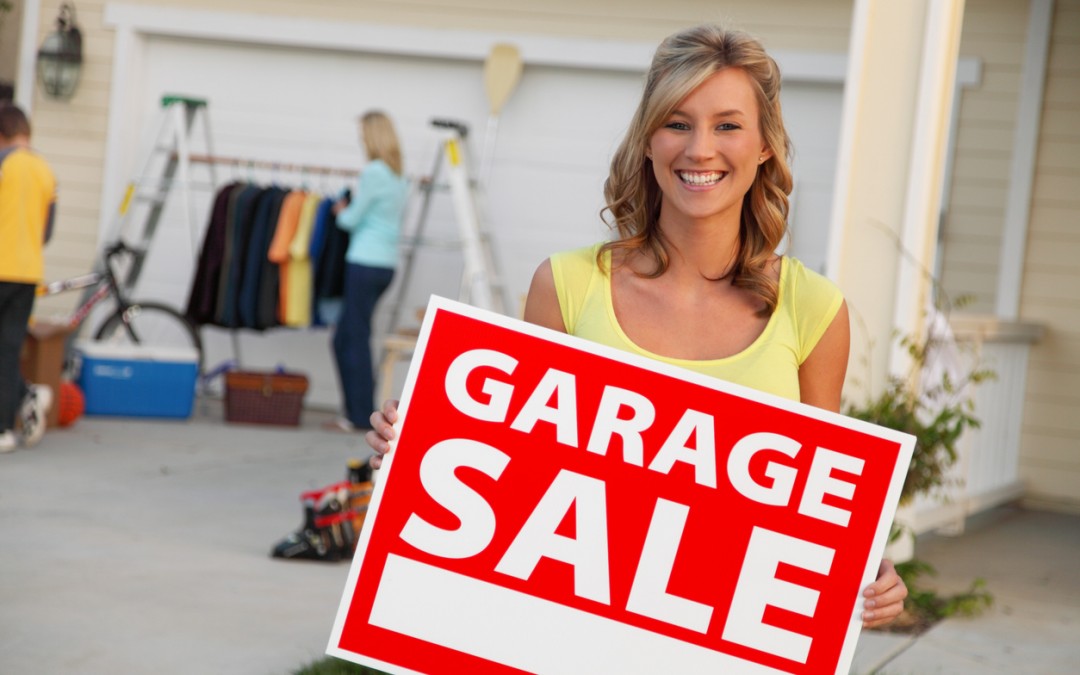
x: 143, y: 546
x: 133, y: 546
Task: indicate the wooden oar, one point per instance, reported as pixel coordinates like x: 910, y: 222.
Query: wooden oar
x: 502, y: 72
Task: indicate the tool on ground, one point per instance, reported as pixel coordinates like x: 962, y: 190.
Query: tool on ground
x: 333, y: 518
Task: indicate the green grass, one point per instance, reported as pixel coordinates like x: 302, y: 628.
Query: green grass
x: 333, y: 666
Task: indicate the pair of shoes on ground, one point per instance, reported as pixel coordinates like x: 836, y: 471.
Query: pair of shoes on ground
x: 343, y: 425
x: 31, y: 417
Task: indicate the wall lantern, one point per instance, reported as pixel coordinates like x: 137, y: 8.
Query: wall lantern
x: 59, y: 61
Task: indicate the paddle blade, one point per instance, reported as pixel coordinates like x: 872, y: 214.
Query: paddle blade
x: 502, y: 70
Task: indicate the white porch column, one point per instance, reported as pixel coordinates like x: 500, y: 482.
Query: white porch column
x: 897, y: 103
x: 897, y: 109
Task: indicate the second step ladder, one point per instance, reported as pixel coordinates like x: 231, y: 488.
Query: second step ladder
x: 481, y: 283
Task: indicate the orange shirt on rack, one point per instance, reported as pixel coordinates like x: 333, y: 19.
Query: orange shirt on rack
x: 288, y: 221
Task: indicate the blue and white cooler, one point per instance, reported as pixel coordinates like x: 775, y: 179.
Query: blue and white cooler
x: 136, y: 380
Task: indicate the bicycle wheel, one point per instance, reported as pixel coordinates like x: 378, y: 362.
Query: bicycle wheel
x: 151, y: 324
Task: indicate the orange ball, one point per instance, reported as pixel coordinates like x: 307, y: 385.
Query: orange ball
x: 72, y: 403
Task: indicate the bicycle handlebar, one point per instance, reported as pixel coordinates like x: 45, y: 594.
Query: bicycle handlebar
x: 116, y: 248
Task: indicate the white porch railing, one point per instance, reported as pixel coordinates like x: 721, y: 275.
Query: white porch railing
x: 986, y: 472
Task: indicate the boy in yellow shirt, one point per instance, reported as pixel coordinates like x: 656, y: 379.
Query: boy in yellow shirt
x: 27, y: 203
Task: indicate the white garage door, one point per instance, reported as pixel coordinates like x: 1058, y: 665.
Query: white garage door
x: 299, y: 106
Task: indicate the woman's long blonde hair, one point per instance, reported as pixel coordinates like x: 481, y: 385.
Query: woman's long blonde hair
x: 683, y: 62
x: 380, y: 139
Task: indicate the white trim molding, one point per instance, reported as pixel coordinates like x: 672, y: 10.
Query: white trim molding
x: 926, y: 172
x: 1022, y: 171
x: 24, y: 78
x: 540, y: 50
x: 469, y: 45
x: 967, y: 73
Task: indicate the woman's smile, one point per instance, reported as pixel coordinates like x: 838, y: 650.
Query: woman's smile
x: 701, y: 178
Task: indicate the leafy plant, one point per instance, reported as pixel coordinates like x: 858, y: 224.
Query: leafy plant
x: 329, y: 665
x: 931, y: 607
x: 936, y: 413
x: 936, y: 410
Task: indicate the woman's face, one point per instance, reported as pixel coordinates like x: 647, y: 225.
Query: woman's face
x: 706, y: 154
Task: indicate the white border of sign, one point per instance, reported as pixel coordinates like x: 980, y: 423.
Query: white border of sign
x: 436, y: 303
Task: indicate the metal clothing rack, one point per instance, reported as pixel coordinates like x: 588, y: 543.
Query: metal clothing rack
x: 273, y: 166
x: 286, y: 167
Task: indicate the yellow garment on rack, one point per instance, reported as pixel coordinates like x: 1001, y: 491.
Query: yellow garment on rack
x: 298, y: 267
x: 288, y: 222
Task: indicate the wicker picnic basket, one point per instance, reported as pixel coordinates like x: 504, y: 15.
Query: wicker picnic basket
x: 264, y: 397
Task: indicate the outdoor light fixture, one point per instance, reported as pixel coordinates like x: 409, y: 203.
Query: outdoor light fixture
x: 59, y: 61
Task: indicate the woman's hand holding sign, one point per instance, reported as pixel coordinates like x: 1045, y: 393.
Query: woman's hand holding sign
x: 884, y: 597
x: 382, y: 431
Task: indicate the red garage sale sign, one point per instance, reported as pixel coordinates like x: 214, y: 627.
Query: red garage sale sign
x: 555, y: 506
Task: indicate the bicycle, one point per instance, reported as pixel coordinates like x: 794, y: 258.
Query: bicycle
x: 132, y: 322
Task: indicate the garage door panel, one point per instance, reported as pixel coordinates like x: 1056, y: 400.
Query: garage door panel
x: 555, y: 139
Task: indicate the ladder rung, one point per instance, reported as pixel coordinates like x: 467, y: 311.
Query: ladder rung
x: 151, y: 198
x: 435, y: 187
x: 449, y: 244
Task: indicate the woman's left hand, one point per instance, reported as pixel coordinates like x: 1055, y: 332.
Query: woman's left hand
x: 884, y: 598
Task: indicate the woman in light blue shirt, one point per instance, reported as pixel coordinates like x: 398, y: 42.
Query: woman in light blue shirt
x: 373, y: 220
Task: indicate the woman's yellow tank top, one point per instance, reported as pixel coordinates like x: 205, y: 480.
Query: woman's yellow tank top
x: 806, y: 306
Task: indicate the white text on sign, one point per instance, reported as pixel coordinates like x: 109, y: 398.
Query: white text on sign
x: 586, y: 552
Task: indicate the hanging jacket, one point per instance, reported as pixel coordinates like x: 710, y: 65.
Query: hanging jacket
x: 237, y: 233
x: 204, y: 285
x: 256, y: 264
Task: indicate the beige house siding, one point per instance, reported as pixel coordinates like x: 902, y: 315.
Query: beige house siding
x: 10, y: 25
x: 72, y: 134
x: 1050, y: 445
x: 995, y: 33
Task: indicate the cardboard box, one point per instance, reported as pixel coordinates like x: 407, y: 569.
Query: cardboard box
x: 42, y: 358
x: 137, y: 381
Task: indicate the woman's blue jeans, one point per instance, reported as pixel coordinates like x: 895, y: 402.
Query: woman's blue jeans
x: 352, y: 339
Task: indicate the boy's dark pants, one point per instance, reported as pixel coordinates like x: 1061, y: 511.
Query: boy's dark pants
x: 16, y: 303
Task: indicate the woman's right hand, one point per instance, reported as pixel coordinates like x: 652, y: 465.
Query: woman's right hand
x: 382, y: 431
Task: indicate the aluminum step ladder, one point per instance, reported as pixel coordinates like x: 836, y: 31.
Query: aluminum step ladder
x: 163, y: 167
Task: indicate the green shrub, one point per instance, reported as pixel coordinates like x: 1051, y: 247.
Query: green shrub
x: 330, y: 665
x: 935, y: 413
x: 931, y: 606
